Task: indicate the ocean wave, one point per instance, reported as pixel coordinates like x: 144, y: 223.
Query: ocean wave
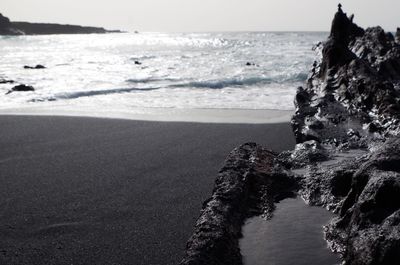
x: 207, y: 84
x: 143, y: 57
x: 150, y: 80
x: 218, y: 84
x: 240, y: 82
x: 300, y: 77
x: 89, y: 93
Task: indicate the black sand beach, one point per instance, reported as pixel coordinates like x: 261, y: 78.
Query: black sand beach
x: 108, y: 191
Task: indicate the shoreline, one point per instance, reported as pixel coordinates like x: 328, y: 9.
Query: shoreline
x: 225, y: 116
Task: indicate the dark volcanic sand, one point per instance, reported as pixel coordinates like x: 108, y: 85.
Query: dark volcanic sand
x: 103, y: 191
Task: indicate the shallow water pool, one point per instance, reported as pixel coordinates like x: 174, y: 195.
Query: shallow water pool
x: 294, y: 236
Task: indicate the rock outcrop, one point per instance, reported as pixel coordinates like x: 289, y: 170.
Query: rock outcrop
x: 21, y: 88
x: 347, y: 157
x: 6, y: 81
x: 248, y: 185
x: 38, y: 66
x: 349, y: 111
x: 356, y: 82
x: 25, y: 28
x: 7, y: 28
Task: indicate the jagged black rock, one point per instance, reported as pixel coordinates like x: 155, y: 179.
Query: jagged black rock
x: 350, y: 110
x: 347, y: 157
x: 248, y: 185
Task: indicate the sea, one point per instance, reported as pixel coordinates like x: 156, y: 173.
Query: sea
x: 127, y: 71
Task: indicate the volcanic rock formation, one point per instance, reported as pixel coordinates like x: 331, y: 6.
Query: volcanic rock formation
x: 347, y: 156
x: 353, y: 96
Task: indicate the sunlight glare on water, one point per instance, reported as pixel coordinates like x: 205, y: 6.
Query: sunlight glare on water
x: 158, y: 70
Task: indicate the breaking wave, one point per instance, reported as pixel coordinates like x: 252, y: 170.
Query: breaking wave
x: 222, y: 83
x: 242, y: 82
x: 150, y: 80
x: 89, y: 93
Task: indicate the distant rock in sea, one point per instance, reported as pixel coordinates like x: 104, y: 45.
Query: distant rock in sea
x: 6, y: 81
x: 21, y: 88
x: 38, y: 66
x: 8, y: 27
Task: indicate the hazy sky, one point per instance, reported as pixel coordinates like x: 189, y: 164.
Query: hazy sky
x: 203, y: 15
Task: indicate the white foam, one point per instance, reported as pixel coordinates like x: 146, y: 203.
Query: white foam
x: 177, y: 70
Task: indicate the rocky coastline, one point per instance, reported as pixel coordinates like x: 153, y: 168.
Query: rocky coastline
x: 347, y: 157
x: 8, y: 27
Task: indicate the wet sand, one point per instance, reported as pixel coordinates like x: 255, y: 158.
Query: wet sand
x: 108, y: 191
x: 232, y: 116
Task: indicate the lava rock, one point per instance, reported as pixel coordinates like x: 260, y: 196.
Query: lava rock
x: 355, y: 82
x: 336, y: 52
x: 38, y: 66
x: 354, y: 91
x: 302, y: 98
x: 368, y: 227
x: 239, y: 193
x: 21, y: 88
x: 309, y: 152
x: 373, y: 127
x: 316, y: 125
x: 5, y: 81
x: 347, y: 157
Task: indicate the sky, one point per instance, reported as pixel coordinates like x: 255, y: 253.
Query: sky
x: 203, y: 15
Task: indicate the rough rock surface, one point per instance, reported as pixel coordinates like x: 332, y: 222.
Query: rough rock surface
x: 247, y: 185
x: 348, y: 153
x: 356, y: 84
x: 25, y: 28
x: 367, y: 230
x: 347, y: 156
x: 398, y: 35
